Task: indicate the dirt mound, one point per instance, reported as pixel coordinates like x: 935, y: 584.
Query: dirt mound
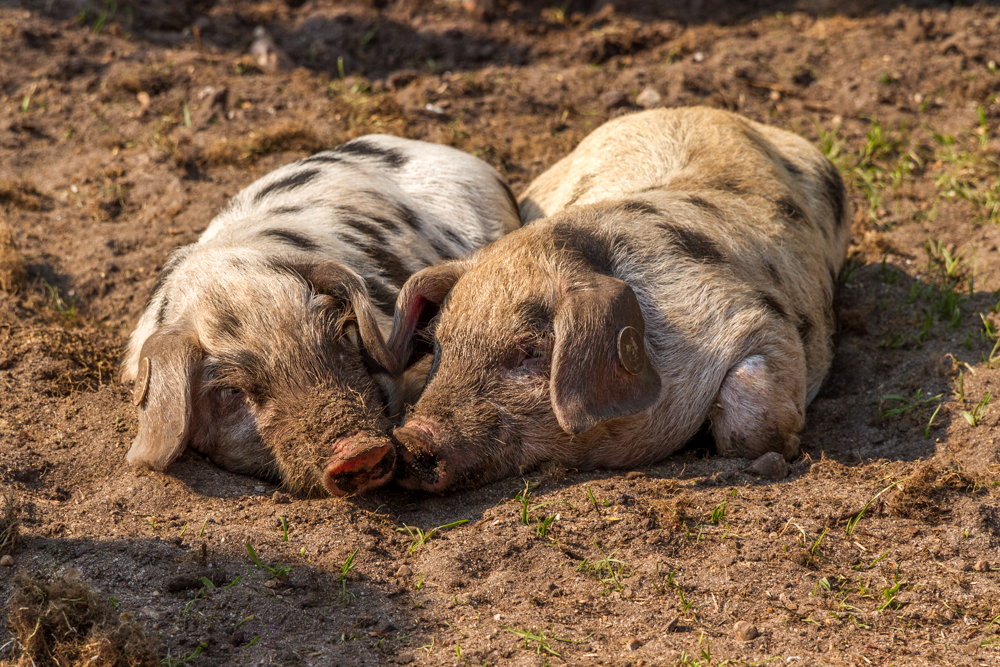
x: 64, y: 623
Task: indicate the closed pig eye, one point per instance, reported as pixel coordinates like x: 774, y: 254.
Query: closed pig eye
x: 533, y: 358
x: 229, y: 392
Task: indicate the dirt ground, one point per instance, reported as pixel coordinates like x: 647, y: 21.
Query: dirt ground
x: 124, y: 128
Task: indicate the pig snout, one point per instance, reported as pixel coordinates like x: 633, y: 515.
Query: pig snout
x: 421, y: 465
x: 360, y: 462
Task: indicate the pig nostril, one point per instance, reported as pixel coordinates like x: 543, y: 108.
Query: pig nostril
x: 417, y: 460
x: 415, y: 439
x: 360, y: 471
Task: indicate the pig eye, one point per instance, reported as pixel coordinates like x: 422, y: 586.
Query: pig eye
x: 229, y: 392
x: 532, y: 357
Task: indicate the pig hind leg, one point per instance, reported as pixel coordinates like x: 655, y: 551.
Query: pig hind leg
x: 760, y: 407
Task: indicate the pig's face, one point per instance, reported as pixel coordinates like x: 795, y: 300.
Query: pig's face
x: 271, y: 375
x: 531, y: 352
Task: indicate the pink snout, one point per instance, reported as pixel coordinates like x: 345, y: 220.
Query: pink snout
x: 360, y: 462
x: 421, y: 466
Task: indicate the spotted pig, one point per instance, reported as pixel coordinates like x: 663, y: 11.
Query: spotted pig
x: 263, y: 347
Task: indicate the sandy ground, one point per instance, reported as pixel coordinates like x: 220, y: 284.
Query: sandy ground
x: 124, y: 129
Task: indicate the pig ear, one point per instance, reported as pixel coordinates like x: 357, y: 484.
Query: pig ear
x: 162, y: 393
x: 338, y: 281
x: 418, y: 301
x: 600, y: 369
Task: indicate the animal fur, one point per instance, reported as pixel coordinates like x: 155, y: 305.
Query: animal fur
x: 693, y: 246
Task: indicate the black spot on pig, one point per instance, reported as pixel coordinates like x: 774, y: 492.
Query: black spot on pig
x: 296, y: 180
x: 294, y: 239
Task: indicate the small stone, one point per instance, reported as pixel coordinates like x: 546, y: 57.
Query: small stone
x: 699, y: 56
x: 648, y: 99
x: 280, y: 498
x: 403, y: 572
x: 7, y: 561
x: 744, y: 631
x: 646, y: 524
x: 612, y: 99
x: 980, y: 566
x: 259, y: 489
x: 774, y: 95
x: 770, y: 466
x: 672, y: 625
x: 632, y: 644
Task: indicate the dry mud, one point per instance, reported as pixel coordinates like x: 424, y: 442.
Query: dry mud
x: 124, y: 129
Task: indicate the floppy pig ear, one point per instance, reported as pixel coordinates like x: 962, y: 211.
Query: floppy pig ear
x: 162, y: 393
x: 339, y: 281
x: 600, y: 370
x: 428, y: 287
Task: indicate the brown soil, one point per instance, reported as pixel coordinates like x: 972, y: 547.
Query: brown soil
x: 125, y: 128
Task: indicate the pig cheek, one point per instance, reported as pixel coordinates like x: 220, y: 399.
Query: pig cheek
x: 228, y: 434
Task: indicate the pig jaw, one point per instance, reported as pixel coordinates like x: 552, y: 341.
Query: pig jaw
x: 329, y: 440
x: 432, y: 458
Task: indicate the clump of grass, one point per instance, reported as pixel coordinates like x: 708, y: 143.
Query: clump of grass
x: 10, y: 524
x: 64, y: 623
x: 420, y: 538
x: 11, y: 265
x: 20, y: 194
x: 924, y: 495
x: 904, y: 404
x: 273, y: 139
x: 610, y: 571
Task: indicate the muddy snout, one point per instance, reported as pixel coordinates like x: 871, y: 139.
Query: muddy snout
x: 360, y: 462
x: 420, y: 465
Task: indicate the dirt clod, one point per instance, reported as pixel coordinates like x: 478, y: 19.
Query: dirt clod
x: 981, y: 566
x: 403, y: 572
x: 7, y: 561
x: 11, y: 265
x: 770, y: 466
x: 10, y: 525
x: 744, y: 631
x: 62, y: 622
x: 612, y: 99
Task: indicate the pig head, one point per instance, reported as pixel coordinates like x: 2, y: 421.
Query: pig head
x: 271, y: 370
x: 534, y: 351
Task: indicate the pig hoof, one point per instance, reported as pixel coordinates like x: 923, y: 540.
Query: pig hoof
x: 360, y: 473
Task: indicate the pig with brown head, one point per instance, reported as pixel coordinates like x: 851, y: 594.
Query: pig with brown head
x: 684, y: 276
